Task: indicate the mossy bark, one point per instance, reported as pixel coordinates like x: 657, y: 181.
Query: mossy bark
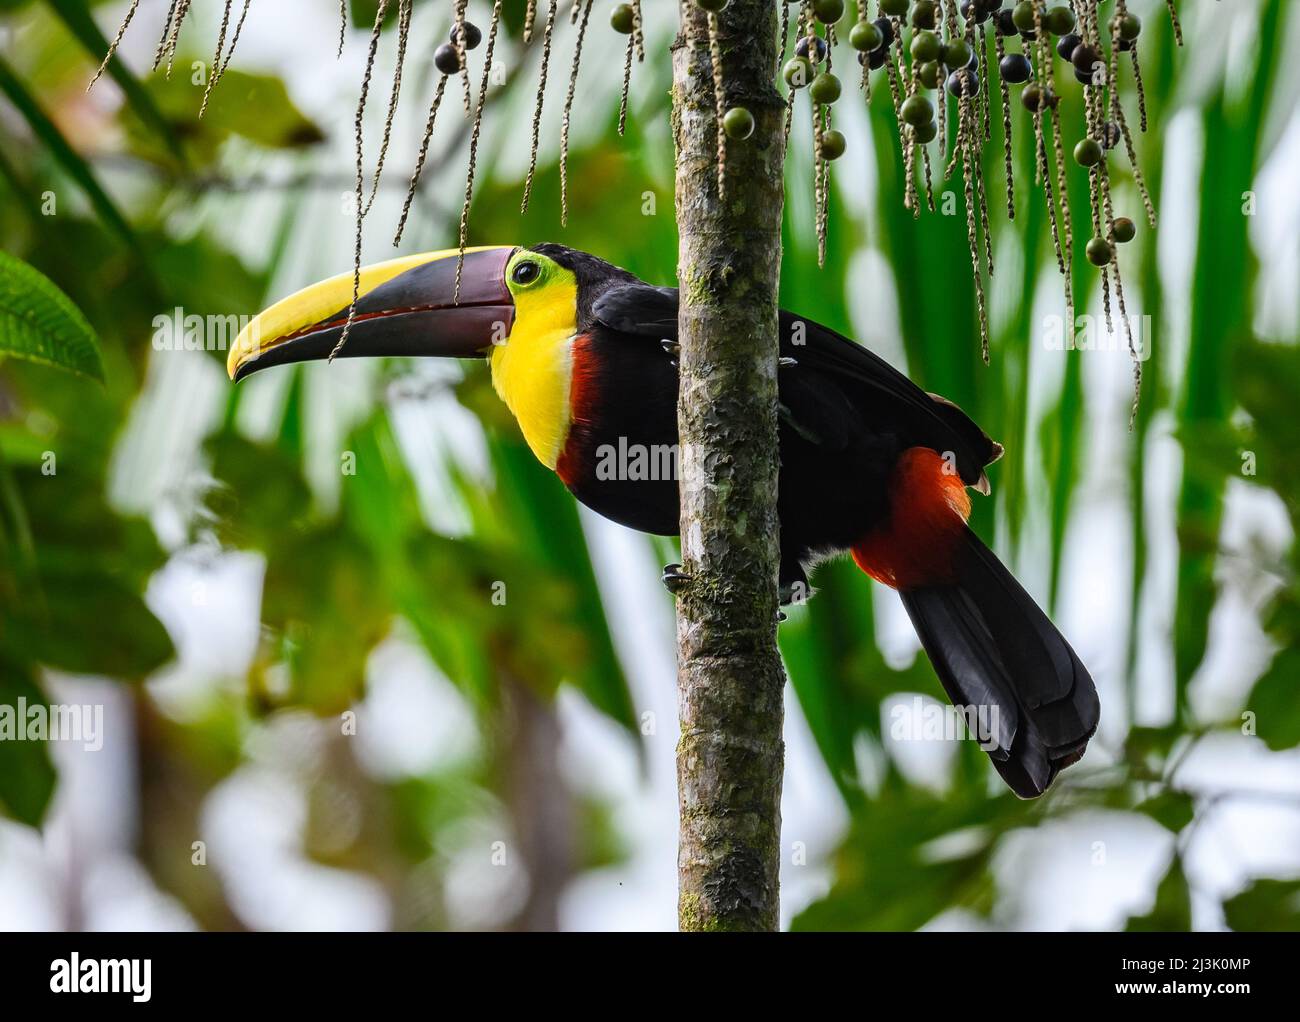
x: 730, y: 677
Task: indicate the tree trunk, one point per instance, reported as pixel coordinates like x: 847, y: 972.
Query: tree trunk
x: 730, y: 677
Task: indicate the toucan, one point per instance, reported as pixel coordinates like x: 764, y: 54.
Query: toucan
x: 585, y: 356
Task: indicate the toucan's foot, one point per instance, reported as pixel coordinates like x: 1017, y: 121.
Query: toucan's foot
x: 675, y: 580
x: 780, y: 616
x: 673, y: 350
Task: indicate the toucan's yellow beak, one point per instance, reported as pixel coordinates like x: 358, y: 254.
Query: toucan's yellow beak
x: 407, y: 306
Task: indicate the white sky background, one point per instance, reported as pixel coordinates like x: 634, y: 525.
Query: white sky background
x: 413, y: 719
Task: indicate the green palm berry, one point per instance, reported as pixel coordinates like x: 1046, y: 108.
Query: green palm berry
x: 738, y: 123
x: 894, y: 8
x: 825, y: 88
x: 925, y: 14
x: 926, y: 46
x: 1125, y: 230
x: 957, y: 53
x: 712, y: 6
x: 1129, y: 25
x: 1099, y: 252
x: 865, y: 37
x: 833, y: 144
x: 828, y: 12
x: 929, y: 74
x: 1023, y: 16
x: 1088, y: 153
x: 1059, y: 21
x: 916, y: 109
x: 798, y: 72
x: 925, y: 133
x: 622, y: 19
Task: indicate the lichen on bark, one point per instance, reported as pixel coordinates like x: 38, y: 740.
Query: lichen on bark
x: 730, y: 678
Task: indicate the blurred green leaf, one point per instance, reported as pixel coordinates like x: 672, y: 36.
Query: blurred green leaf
x: 1275, y: 702
x: 26, y: 774
x: 911, y: 856
x: 1171, y: 809
x: 1266, y: 905
x: 38, y: 322
x: 1172, y: 910
x: 58, y: 629
x: 253, y: 106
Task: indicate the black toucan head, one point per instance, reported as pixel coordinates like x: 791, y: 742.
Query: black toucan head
x: 412, y: 306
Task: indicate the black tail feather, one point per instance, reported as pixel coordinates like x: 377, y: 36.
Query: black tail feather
x: 993, y: 647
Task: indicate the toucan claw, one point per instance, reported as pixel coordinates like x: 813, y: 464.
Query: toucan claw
x: 675, y: 580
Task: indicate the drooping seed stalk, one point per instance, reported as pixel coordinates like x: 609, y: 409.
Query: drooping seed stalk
x: 1141, y: 89
x: 785, y: 35
x: 117, y: 41
x: 161, y: 51
x: 981, y: 102
x: 895, y: 92
x: 1173, y: 16
x: 949, y: 10
x: 627, y: 83
x: 537, y: 110
x: 1042, y: 67
x: 929, y: 183
x: 638, y: 31
x: 866, y: 66
x: 459, y: 43
x: 1116, y: 114
x: 359, y: 124
x: 804, y: 18
x: 1005, y: 93
x: 568, y: 109
x: 987, y: 104
x: 907, y: 139
x: 234, y: 41
x: 530, y: 17
x: 488, y: 52
x: 403, y: 33
x: 343, y: 26
x: 719, y: 103
x: 982, y: 197
x: 424, y: 154
x: 1131, y: 150
x: 967, y: 129
x: 1063, y: 235
x: 173, y: 40
x: 216, y: 58
x: 818, y: 181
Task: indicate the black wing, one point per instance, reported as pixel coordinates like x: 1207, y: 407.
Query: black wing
x: 880, y: 393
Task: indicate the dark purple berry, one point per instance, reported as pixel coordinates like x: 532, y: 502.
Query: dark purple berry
x: 472, y: 35
x: 446, y: 59
x: 1085, y: 58
x: 963, y: 82
x: 1067, y: 44
x: 1015, y: 68
x: 818, y: 47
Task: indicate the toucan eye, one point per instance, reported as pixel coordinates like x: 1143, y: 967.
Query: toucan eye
x: 525, y: 272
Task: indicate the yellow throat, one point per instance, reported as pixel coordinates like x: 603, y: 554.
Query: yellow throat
x: 532, y: 367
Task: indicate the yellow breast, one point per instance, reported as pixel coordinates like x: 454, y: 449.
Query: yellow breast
x: 531, y: 370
